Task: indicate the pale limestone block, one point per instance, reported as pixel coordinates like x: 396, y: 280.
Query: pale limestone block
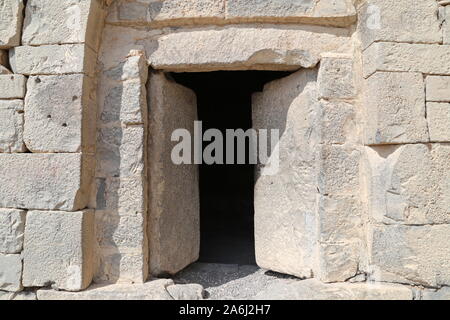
x: 44, y: 181
x: 411, y: 254
x: 337, y: 122
x: 52, y: 59
x: 441, y: 294
x: 438, y: 117
x: 10, y: 272
x: 12, y: 86
x: 57, y: 110
x: 172, y: 11
x: 315, y: 290
x: 286, y: 190
x: 395, y: 108
x: 409, y: 184
x: 12, y: 225
x: 406, y: 57
x: 153, y: 290
x: 11, y: 18
x: 63, y: 21
x: 399, y: 21
x: 446, y: 25
x: 174, y: 204
x: 58, y: 249
x: 228, y: 48
x: 339, y: 170
x: 335, y: 78
x: 11, y: 134
x: 438, y: 88
x: 20, y: 296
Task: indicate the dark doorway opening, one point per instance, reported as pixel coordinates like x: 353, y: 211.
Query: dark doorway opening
x: 226, y: 191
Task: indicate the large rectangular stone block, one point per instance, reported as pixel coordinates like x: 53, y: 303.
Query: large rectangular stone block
x: 438, y: 117
x: 406, y: 57
x: 12, y: 86
x: 59, y: 113
x: 11, y: 133
x: 59, y: 249
x: 53, y: 59
x: 399, y: 21
x: 292, y: 11
x: 409, y: 184
x: 12, y: 225
x: 10, y: 23
x: 44, y: 181
x: 10, y: 272
x: 438, y: 88
x: 395, y: 108
x: 271, y: 48
x: 335, y: 80
x: 63, y: 21
x: 411, y: 254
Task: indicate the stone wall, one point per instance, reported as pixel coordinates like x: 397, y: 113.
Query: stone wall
x: 371, y: 131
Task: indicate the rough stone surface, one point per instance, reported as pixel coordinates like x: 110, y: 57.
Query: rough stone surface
x: 446, y: 25
x: 228, y: 48
x: 64, y: 21
x: 438, y: 117
x: 10, y: 23
x: 12, y: 86
x: 58, y: 249
x: 174, y: 212
x: 405, y: 57
x: 285, y: 197
x: 438, y: 88
x: 315, y: 290
x: 441, y: 294
x: 186, y: 291
x: 395, y: 108
x: 11, y: 134
x: 58, y: 114
x: 52, y: 59
x: 43, y: 181
x: 399, y: 21
x: 409, y: 184
x: 12, y: 226
x: 335, y: 78
x: 153, y: 290
x: 411, y: 254
x: 21, y: 296
x: 10, y: 272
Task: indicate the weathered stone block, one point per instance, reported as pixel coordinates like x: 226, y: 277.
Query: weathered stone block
x: 292, y: 11
x: 285, y: 192
x: 44, y: 181
x: 438, y: 117
x: 10, y: 272
x: 63, y: 21
x: 171, y: 10
x: 441, y: 294
x: 10, y: 23
x: 58, y: 249
x: 120, y: 151
x: 409, y: 184
x: 446, y: 25
x: 438, y: 88
x: 52, y: 59
x: 173, y: 189
x: 411, y: 254
x: 122, y: 265
x: 12, y: 225
x: 20, y: 296
x: 399, y: 21
x: 395, y: 108
x: 228, y: 48
x: 339, y: 170
x: 153, y: 290
x: 11, y: 134
x: 12, y: 86
x: 335, y: 78
x: 315, y: 290
x: 337, y: 122
x: 406, y: 57
x: 57, y: 110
